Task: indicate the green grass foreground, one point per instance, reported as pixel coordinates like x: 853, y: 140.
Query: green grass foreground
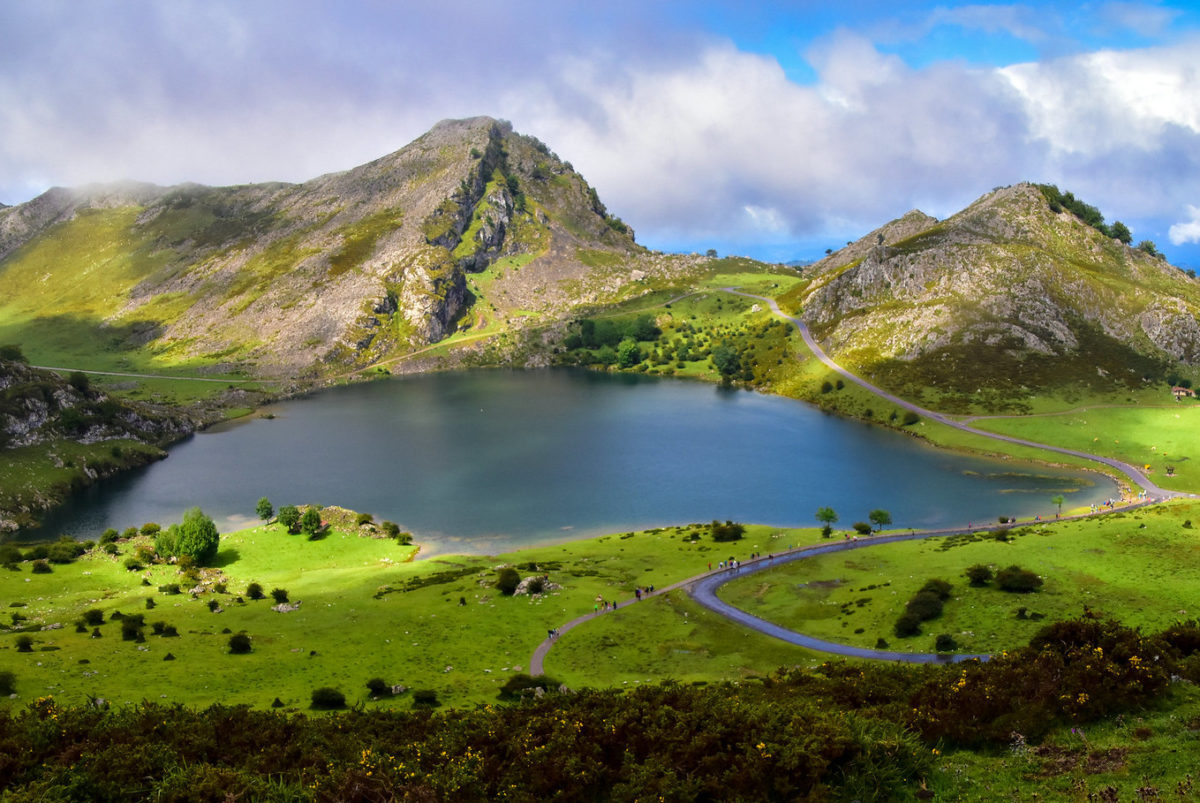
x: 1137, y: 566
x: 366, y: 610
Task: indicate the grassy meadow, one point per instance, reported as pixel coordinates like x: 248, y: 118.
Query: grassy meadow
x: 1137, y: 566
x: 366, y: 610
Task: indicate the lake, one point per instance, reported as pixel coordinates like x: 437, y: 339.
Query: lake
x: 485, y: 461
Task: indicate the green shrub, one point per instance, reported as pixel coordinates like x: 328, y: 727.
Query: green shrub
x: 213, y: 605
x: 425, y: 698
x: 8, y: 683
x: 255, y: 591
x: 169, y: 588
x: 940, y: 588
x: 364, y: 518
x: 41, y: 567
x: 133, y: 564
x: 151, y: 528
x: 37, y: 552
x: 280, y: 595
x: 110, y: 549
x: 1017, y: 580
x: 391, y: 528
x: 979, y: 574
x: 239, y: 644
x: 93, y: 617
x: 910, y: 418
x: 925, y: 605
x: 378, y: 687
x: 521, y: 684
x: 24, y: 644
x: 507, y: 580
x: 909, y: 624
x: 327, y: 698
x: 729, y: 531
x: 109, y: 536
x: 129, y: 532
x: 945, y: 643
x: 289, y: 517
x: 862, y: 528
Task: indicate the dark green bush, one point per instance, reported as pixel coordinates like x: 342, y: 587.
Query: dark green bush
x: 41, y: 567
x: 110, y: 549
x: 24, y: 644
x: 425, y: 698
x: 169, y: 588
x: 280, y: 595
x: 378, y: 687
x: 93, y: 617
x: 507, y: 580
x: 255, y: 591
x: 8, y: 683
x: 862, y: 528
x: 364, y: 518
x: 945, y: 643
x: 327, y: 698
x: 239, y: 644
x: 909, y: 624
x: 109, y: 536
x: 521, y: 684
x: 939, y: 588
x: 979, y: 574
x: 925, y: 605
x: 910, y: 418
x: 729, y: 531
x: 133, y: 564
x: 1017, y: 580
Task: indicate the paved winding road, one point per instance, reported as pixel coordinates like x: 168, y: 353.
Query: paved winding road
x: 703, y: 587
x: 1132, y: 472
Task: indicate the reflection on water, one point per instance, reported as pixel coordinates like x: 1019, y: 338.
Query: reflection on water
x: 489, y: 460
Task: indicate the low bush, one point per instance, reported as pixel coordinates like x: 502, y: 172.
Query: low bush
x: 945, y: 643
x: 425, y: 698
x: 41, y: 567
x: 364, y: 518
x: 924, y: 605
x: 133, y: 564
x: 507, y: 580
x: 110, y: 549
x: 979, y: 575
x: 521, y: 685
x: 255, y: 591
x: 327, y: 698
x: 862, y: 528
x: 1017, y: 580
x: 93, y: 617
x: 169, y: 588
x: 940, y: 588
x: 239, y: 644
x: 109, y: 536
x: 24, y: 644
x: 729, y: 531
x: 8, y: 683
x: 280, y: 595
x: 909, y: 624
x: 213, y: 605
x: 378, y: 687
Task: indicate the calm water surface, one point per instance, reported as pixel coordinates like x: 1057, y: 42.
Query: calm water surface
x: 489, y: 460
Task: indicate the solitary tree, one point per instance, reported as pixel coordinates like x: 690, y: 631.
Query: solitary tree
x: 828, y: 517
x: 880, y: 518
x: 197, y: 537
x: 310, y: 522
x: 265, y: 509
x: 1058, y: 500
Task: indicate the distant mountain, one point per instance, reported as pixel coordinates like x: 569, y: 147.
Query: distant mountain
x: 1012, y: 293
x: 472, y: 226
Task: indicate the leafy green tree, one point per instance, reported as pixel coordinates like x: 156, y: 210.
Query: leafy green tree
x: 507, y: 580
x: 264, y: 509
x: 628, y: 353
x: 310, y: 522
x: 1148, y: 247
x: 726, y: 361
x: 880, y: 518
x: 197, y: 537
x: 1119, y: 231
x: 1058, y: 500
x: 289, y: 516
x: 828, y: 517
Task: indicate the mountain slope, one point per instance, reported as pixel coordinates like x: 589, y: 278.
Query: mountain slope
x: 1004, y: 297
x: 470, y: 225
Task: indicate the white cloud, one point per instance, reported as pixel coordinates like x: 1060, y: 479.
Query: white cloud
x: 1187, y: 231
x: 685, y: 136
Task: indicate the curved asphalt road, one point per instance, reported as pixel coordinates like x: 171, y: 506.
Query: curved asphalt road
x: 703, y: 587
x: 1134, y: 474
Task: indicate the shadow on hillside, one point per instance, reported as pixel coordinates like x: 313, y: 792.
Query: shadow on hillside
x: 226, y: 557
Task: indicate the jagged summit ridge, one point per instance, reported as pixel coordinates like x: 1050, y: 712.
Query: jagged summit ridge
x: 338, y: 270
x: 1007, y: 281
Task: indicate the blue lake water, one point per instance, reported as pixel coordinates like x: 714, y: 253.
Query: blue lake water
x: 489, y: 460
